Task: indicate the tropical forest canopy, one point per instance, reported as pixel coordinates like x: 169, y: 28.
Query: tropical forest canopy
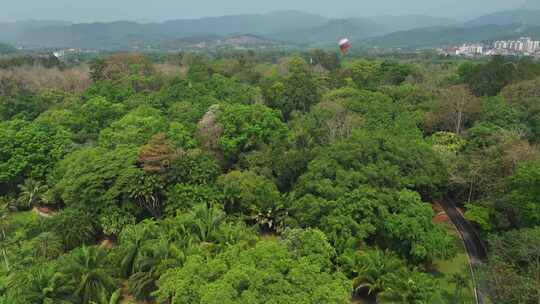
x: 246, y: 177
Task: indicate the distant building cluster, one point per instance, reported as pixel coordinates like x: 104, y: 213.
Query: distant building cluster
x: 63, y: 53
x: 522, y: 46
x: 467, y: 50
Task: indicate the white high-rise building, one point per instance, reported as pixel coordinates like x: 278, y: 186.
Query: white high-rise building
x: 470, y: 49
x: 501, y: 44
x: 522, y: 45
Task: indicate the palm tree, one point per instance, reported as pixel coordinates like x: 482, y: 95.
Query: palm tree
x: 411, y: 287
x: 31, y: 193
x: 76, y: 227
x: 375, y: 266
x: 4, y: 217
x: 114, y: 299
x: 207, y: 220
x: 130, y: 253
x: 47, y: 245
x: 41, y: 285
x: 269, y: 219
x: 90, y: 275
x: 461, y: 282
x: 156, y: 257
x: 231, y: 233
x: 132, y: 239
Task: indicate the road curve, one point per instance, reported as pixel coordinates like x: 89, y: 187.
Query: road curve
x: 473, y: 243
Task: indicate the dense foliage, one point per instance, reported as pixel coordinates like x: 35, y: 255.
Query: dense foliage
x: 250, y: 178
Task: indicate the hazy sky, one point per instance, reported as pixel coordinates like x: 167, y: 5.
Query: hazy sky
x: 107, y: 10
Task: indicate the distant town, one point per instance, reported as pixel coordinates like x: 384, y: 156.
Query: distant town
x: 524, y: 46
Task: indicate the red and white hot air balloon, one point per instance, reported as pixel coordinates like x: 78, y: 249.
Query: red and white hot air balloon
x: 345, y: 45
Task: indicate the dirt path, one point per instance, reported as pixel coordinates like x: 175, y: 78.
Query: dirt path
x: 43, y: 212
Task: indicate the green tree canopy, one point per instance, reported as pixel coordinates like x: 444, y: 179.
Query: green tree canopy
x: 30, y: 150
x: 297, y: 91
x: 135, y: 128
x: 246, y: 128
x: 87, y: 177
x: 266, y: 273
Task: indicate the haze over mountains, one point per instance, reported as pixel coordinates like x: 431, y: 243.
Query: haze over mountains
x: 286, y: 26
x: 497, y: 26
x: 532, y: 4
x: 280, y: 28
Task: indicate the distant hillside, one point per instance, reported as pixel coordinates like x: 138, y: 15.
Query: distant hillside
x: 447, y: 36
x: 532, y: 4
x: 496, y: 26
x: 12, y: 31
x: 524, y: 17
x: 114, y: 35
x: 409, y: 22
x: 6, y: 49
x: 254, y: 24
x: 123, y: 34
x: 231, y: 41
x: 331, y: 32
x: 278, y: 28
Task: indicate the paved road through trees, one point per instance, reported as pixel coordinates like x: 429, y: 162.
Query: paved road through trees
x: 473, y: 244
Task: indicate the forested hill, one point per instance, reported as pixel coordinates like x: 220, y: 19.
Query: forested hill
x: 126, y: 35
x: 6, y: 49
x: 497, y: 26
x: 12, y: 31
x: 293, y: 27
x: 246, y: 177
x: 522, y: 17
x: 434, y: 37
x: 326, y: 34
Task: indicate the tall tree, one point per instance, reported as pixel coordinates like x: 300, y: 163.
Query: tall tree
x: 298, y: 91
x: 456, y: 108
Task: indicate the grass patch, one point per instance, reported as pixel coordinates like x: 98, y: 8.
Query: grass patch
x: 444, y: 269
x: 22, y: 218
x: 18, y: 223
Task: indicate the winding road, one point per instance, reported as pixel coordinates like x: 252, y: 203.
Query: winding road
x: 473, y: 243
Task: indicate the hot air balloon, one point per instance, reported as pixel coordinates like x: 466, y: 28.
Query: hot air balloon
x: 344, y: 45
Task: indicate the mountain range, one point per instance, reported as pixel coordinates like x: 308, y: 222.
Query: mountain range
x: 6, y: 49
x: 286, y: 26
x: 434, y: 37
x: 498, y: 26
x: 13, y: 31
x: 277, y: 28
